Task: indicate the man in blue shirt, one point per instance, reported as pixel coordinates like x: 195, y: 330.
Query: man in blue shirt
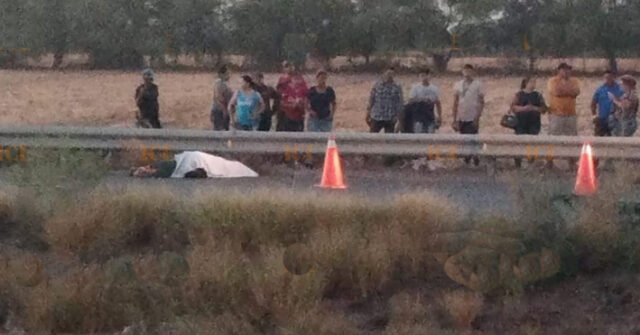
x: 602, y: 106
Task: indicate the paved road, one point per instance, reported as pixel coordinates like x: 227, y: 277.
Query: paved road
x: 471, y: 189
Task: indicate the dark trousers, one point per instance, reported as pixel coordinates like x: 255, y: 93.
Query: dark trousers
x: 286, y: 124
x: 149, y: 119
x: 219, y: 119
x: 265, y: 121
x: 377, y: 125
x: 528, y: 123
x: 469, y: 128
x: 601, y: 127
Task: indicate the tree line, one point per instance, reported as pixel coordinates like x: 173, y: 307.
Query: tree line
x: 119, y: 33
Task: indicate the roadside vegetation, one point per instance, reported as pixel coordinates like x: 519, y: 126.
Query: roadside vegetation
x: 86, y: 258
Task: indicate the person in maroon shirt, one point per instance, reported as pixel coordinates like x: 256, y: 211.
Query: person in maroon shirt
x: 293, y: 92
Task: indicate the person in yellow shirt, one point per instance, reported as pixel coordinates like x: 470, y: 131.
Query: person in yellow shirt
x: 563, y: 89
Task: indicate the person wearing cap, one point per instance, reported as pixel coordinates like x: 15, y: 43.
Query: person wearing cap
x: 271, y: 99
x: 468, y: 104
x: 385, y: 104
x: 322, y: 105
x: 147, y: 101
x: 624, y: 120
x: 563, y: 89
x: 222, y: 94
x: 293, y: 92
x: 602, y: 106
x: 245, y: 106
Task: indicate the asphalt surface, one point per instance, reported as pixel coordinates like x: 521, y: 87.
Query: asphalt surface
x: 471, y: 189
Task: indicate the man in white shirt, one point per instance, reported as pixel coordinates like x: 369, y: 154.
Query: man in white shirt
x: 426, y: 98
x: 468, y: 104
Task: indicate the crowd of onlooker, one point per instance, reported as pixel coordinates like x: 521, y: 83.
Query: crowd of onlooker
x: 252, y: 107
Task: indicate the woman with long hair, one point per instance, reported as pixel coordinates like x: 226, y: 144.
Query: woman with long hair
x: 246, y: 106
x: 528, y: 104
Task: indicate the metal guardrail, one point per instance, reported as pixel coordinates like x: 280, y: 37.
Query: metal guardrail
x: 350, y: 143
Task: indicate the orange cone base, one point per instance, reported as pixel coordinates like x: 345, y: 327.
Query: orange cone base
x: 586, y: 182
x: 332, y: 176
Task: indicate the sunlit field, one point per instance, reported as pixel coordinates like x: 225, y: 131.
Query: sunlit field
x: 105, y: 98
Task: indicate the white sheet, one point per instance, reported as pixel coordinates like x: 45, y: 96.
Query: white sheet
x: 216, y: 167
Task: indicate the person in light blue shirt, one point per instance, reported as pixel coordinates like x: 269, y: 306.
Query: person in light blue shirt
x: 246, y: 106
x: 602, y: 106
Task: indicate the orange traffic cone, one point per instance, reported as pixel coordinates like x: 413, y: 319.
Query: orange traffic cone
x: 586, y: 183
x: 332, y: 176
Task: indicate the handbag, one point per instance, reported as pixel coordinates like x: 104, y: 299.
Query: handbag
x: 509, y: 121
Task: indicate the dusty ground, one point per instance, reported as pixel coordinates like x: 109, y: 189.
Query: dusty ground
x: 106, y: 98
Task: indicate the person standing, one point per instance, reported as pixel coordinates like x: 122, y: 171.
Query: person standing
x: 222, y: 94
x: 147, y: 101
x: 468, y: 104
x: 245, y: 106
x: 602, y: 106
x: 626, y: 109
x: 322, y: 105
x: 385, y: 104
x: 563, y: 90
x: 271, y: 99
x: 293, y: 92
x: 423, y: 99
x: 527, y: 106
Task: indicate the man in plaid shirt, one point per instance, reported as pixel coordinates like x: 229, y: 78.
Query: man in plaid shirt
x: 385, y: 104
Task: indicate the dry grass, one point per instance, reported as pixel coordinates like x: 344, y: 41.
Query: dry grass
x: 103, y: 98
x: 215, y: 262
x: 463, y: 307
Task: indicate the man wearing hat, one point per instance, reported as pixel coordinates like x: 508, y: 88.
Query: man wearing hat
x: 147, y: 101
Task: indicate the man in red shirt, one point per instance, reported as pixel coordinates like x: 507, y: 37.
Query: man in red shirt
x: 293, y: 91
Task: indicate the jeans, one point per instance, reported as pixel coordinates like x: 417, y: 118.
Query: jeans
x: 420, y: 128
x: 601, y: 127
x: 319, y: 125
x: 265, y: 121
x: 286, y: 124
x: 469, y: 128
x: 244, y: 127
x: 377, y: 125
x: 624, y: 127
x: 219, y: 119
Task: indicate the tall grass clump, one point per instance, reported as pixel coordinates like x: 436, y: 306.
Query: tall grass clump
x: 108, y: 224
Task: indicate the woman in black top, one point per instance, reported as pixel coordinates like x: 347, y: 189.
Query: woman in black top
x: 527, y: 106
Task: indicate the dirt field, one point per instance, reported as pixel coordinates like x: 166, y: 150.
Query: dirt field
x: 101, y: 98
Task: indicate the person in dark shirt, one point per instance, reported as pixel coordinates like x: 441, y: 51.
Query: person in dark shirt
x: 527, y: 106
x: 322, y: 105
x: 147, y: 102
x: 271, y: 99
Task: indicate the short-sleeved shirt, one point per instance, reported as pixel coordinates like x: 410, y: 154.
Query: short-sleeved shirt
x: 601, y: 97
x: 386, y: 101
x: 293, y: 92
x: 420, y: 91
x: 321, y: 101
x: 245, y: 107
x: 469, y: 99
x: 221, y: 92
x: 562, y: 105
